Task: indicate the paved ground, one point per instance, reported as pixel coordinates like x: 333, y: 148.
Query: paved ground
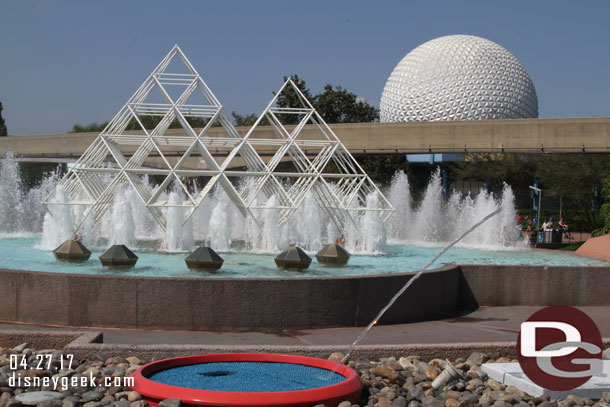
x: 487, y: 324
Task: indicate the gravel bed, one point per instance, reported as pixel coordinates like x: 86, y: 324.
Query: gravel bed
x: 388, y: 382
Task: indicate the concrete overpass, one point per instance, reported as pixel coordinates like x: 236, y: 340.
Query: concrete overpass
x: 564, y: 135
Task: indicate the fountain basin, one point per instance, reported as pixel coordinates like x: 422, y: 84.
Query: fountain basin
x: 248, y: 379
x: 287, y: 303
x: 24, y: 253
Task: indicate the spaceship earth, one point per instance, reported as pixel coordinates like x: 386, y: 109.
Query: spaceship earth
x: 458, y: 77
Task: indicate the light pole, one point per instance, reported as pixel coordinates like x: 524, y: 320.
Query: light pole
x: 539, y: 205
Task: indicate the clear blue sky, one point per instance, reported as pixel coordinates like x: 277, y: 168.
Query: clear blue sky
x: 66, y: 62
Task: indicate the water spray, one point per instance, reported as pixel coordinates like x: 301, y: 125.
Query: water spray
x: 408, y: 284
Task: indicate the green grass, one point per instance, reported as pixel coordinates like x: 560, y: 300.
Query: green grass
x: 572, y: 247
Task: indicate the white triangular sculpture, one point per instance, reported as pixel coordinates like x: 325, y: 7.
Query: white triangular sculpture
x: 342, y: 194
x: 85, y: 182
x: 116, y: 157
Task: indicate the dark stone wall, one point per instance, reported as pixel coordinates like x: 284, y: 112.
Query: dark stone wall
x: 191, y: 303
x: 243, y: 304
x: 535, y: 285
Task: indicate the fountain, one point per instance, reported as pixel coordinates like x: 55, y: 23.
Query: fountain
x: 248, y: 379
x: 434, y: 221
x: 11, y: 191
x: 271, y: 229
x: 107, y: 203
x: 373, y: 230
x: 308, y: 230
x: 248, y: 248
x: 246, y: 210
x: 57, y: 226
x: 219, y: 224
x: 399, y: 196
x: 219, y: 232
x: 179, y: 232
x: 123, y: 226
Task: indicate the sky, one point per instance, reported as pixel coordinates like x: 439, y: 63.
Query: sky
x: 66, y: 62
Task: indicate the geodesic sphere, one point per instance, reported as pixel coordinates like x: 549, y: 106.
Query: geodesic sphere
x: 458, y: 77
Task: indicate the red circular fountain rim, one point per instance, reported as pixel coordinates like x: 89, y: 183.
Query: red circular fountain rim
x: 349, y: 389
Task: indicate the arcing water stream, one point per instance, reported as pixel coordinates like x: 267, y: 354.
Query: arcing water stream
x: 411, y: 281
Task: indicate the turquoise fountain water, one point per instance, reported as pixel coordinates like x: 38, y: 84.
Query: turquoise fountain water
x: 409, y: 239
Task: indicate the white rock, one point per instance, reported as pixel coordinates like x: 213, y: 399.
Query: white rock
x: 34, y: 398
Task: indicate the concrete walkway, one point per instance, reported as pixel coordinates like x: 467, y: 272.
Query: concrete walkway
x: 485, y: 325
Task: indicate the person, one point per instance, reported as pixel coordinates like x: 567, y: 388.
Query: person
x: 563, y: 226
x: 519, y: 229
x: 547, y: 228
x: 340, y: 241
x: 547, y: 225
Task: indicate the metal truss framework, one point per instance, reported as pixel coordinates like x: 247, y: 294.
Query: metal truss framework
x: 117, y: 157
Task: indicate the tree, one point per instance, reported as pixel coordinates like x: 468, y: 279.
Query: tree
x: 244, y: 120
x: 335, y: 105
x: 381, y: 167
x: 573, y: 181
x: 91, y: 127
x: 289, y: 98
x: 340, y: 106
x: 605, y: 208
x: 495, y: 170
x: 150, y: 122
x: 3, y: 131
x: 576, y: 179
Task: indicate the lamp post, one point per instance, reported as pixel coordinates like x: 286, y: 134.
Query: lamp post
x: 539, y: 205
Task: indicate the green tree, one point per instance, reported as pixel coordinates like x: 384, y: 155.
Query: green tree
x: 572, y: 181
x: 381, y: 167
x: 335, y: 105
x: 495, y: 169
x: 244, y: 120
x: 576, y: 179
x: 605, y: 208
x: 150, y: 122
x: 91, y: 127
x: 290, y: 98
x: 3, y: 130
x: 340, y: 106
